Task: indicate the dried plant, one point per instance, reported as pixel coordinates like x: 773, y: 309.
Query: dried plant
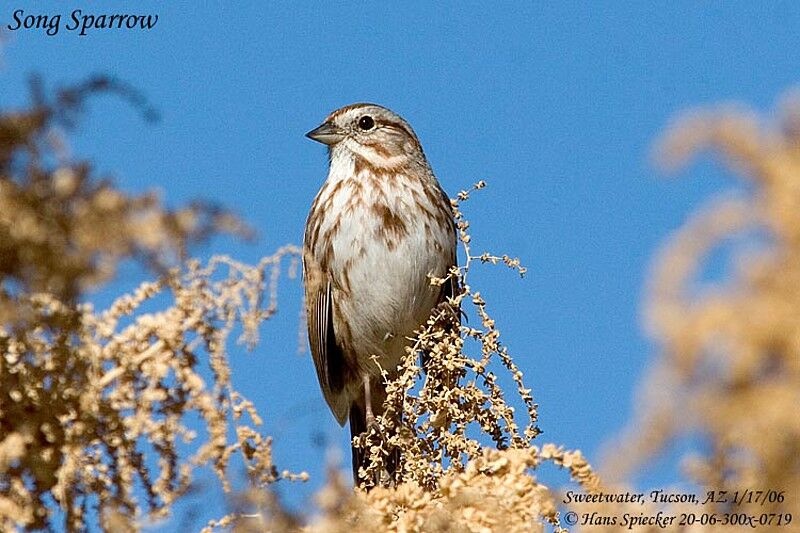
x: 429, y: 412
x: 63, y: 230
x: 729, y: 369
x: 466, y: 462
x: 95, y: 404
x: 728, y: 373
x: 495, y: 491
x: 92, y: 399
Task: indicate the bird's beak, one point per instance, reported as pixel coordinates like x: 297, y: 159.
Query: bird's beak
x: 327, y: 133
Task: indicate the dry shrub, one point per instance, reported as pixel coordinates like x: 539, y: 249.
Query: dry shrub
x: 95, y: 404
x: 430, y: 412
x: 728, y: 375
x: 467, y: 463
x: 494, y: 491
x: 729, y: 367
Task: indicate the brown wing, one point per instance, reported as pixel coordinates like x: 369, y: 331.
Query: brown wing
x: 451, y: 287
x: 326, y: 352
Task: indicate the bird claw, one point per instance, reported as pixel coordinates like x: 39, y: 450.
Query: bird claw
x: 374, y: 428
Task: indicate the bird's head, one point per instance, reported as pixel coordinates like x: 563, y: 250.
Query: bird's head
x: 371, y: 132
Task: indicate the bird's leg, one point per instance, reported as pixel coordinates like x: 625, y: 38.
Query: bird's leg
x: 368, y: 401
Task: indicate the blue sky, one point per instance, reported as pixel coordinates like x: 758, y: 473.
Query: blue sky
x: 556, y: 106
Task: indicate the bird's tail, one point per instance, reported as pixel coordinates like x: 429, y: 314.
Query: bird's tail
x: 358, y: 425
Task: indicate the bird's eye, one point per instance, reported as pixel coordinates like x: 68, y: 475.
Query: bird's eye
x: 366, y: 123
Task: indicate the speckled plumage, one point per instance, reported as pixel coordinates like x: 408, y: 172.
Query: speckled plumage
x: 380, y: 226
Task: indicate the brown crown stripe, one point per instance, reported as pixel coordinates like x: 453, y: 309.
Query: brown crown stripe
x: 343, y: 110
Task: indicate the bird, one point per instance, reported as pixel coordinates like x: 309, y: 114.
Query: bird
x: 378, y: 230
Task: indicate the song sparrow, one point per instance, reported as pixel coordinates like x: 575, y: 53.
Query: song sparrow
x: 379, y: 227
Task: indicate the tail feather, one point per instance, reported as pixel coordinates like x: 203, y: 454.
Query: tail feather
x: 358, y: 425
x: 392, y: 464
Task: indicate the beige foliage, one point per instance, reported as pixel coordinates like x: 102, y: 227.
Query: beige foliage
x: 729, y: 364
x: 91, y: 399
x: 467, y: 463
